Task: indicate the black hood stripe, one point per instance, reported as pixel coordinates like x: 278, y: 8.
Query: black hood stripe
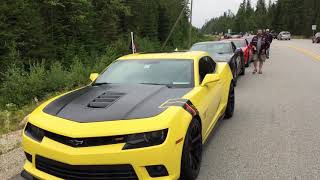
x: 57, y: 105
x: 137, y: 101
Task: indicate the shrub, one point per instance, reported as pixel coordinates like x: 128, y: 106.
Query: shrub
x: 56, y: 77
x: 147, y: 45
x: 14, y: 88
x: 36, y: 81
x: 79, y: 73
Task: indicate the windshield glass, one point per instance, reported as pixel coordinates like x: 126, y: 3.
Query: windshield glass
x: 239, y: 43
x: 172, y: 73
x: 213, y: 48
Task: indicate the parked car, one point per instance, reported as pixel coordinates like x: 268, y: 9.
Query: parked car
x: 316, y: 38
x: 146, y: 116
x: 284, y: 35
x: 249, y: 39
x: 244, y: 45
x: 224, y: 51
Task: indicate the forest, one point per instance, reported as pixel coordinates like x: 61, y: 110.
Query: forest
x: 51, y: 46
x: 296, y: 16
x: 39, y: 38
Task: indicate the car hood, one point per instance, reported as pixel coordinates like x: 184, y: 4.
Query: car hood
x: 221, y: 57
x: 113, y: 102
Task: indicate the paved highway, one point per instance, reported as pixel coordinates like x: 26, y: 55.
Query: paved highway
x: 275, y: 131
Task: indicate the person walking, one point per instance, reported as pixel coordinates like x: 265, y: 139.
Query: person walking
x: 260, y: 44
x: 269, y: 38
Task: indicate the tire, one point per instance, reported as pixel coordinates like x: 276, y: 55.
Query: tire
x: 234, y: 70
x: 248, y: 63
x: 192, y: 152
x: 243, y: 69
x: 235, y: 77
x: 231, y: 102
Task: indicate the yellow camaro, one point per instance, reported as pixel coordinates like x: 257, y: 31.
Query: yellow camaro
x: 145, y: 117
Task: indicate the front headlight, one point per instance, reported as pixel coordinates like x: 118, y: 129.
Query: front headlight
x: 147, y: 139
x: 34, y: 132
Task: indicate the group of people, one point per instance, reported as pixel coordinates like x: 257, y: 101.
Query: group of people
x: 261, y: 48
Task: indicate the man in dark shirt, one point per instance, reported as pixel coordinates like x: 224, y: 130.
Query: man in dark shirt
x: 269, y: 38
x: 260, y: 44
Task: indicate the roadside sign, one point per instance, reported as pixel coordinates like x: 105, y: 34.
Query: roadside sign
x: 314, y: 27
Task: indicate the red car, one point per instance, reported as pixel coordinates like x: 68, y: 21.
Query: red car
x: 244, y: 45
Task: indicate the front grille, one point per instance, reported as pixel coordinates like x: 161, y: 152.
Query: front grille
x: 85, y: 142
x: 85, y: 172
x: 38, y: 134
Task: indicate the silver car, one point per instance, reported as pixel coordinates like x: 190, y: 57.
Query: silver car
x: 284, y: 35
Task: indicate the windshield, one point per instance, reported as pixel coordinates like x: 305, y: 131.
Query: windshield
x: 213, y: 48
x: 239, y: 43
x: 172, y: 73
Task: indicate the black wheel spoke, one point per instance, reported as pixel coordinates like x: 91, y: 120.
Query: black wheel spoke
x: 192, y: 152
x: 196, y: 139
x: 195, y: 161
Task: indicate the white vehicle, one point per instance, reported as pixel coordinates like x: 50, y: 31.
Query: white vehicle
x: 284, y: 35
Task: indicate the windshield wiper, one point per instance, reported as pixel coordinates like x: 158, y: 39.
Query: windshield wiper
x: 99, y: 84
x: 157, y: 84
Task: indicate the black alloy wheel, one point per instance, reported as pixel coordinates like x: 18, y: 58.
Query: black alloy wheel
x: 243, y: 68
x: 235, y: 73
x: 231, y: 102
x: 192, y: 152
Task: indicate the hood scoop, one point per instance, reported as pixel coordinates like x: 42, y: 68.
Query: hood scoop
x: 105, y: 100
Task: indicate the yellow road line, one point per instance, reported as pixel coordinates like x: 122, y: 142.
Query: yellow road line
x: 306, y: 52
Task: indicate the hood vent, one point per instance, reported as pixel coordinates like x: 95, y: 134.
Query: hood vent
x: 105, y: 100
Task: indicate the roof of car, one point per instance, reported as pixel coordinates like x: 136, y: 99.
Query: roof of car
x: 167, y: 55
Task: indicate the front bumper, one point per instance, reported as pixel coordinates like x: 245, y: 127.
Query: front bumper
x: 167, y: 154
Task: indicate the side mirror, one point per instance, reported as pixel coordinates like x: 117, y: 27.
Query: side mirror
x: 210, y: 78
x: 94, y: 76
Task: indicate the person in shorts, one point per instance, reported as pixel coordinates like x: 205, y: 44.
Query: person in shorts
x: 259, y: 44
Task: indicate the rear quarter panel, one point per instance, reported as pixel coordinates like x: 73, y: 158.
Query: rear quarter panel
x: 224, y: 71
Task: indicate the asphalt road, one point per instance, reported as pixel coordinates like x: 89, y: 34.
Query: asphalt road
x: 275, y: 131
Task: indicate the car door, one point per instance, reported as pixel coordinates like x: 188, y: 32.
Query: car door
x: 210, y: 94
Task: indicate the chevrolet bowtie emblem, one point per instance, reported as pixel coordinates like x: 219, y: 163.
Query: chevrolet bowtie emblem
x: 75, y: 142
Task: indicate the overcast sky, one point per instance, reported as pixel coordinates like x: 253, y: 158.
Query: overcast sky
x: 207, y: 9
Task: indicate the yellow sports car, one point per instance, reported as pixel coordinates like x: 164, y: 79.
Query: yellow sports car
x: 145, y: 117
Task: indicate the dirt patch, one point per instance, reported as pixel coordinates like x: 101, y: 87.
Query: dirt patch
x: 11, y: 163
x: 10, y: 141
x: 11, y: 155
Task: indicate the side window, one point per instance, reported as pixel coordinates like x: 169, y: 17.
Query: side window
x: 206, y: 66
